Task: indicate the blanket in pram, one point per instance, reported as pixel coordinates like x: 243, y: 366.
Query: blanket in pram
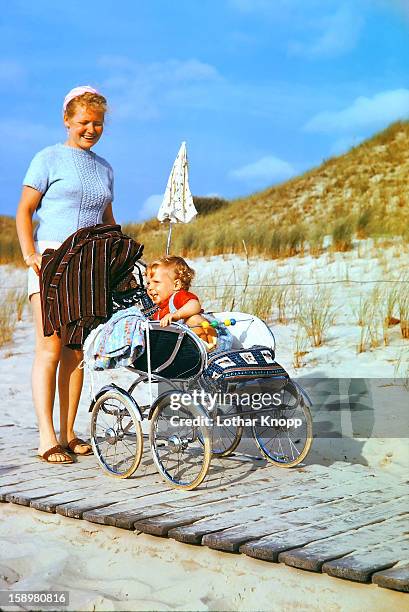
x: 240, y: 365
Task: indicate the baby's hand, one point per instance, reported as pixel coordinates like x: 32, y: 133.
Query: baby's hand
x: 166, y: 320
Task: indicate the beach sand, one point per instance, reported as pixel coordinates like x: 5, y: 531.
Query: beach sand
x: 105, y: 568
x: 109, y: 569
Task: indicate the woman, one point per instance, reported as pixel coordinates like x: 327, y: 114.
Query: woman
x: 70, y: 187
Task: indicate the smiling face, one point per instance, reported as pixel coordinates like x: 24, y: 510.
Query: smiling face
x: 161, y: 284
x: 85, y: 127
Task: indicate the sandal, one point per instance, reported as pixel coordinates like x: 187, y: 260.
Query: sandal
x: 78, y: 442
x: 56, y: 450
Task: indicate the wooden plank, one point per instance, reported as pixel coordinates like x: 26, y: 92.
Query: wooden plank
x: 82, y: 495
x: 299, y: 492
x: 76, y: 510
x: 312, y: 556
x: 24, y: 493
x: 162, y: 493
x: 49, y: 503
x: 21, y: 478
x: 23, y: 499
x: 270, y: 546
x: 95, y: 502
x: 396, y: 578
x: 84, y: 491
x: 128, y: 511
x: 226, y: 532
x: 355, y: 512
x: 140, y: 496
x: 360, y: 566
x: 43, y: 470
x: 184, y: 512
x: 316, y: 479
x: 159, y: 502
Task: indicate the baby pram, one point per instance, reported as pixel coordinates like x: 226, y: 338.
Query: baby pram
x: 199, y: 411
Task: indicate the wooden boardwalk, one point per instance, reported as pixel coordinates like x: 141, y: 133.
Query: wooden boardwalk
x: 345, y: 520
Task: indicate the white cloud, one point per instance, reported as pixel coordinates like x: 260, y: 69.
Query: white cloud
x: 337, y: 34
x: 383, y: 108
x: 152, y: 91
x: 150, y: 207
x: 265, y: 170
x: 143, y: 90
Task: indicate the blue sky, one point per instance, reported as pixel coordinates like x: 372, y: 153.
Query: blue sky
x: 261, y: 90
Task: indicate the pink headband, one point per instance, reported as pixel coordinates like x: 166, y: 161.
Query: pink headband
x: 77, y: 91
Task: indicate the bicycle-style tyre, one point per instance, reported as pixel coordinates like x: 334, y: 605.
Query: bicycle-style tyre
x: 283, y: 444
x: 116, y: 434
x: 224, y: 438
x: 180, y: 443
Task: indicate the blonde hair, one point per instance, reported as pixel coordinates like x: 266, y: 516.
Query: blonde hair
x: 177, y: 265
x: 86, y: 100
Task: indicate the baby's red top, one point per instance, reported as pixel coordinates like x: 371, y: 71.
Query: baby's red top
x: 180, y: 298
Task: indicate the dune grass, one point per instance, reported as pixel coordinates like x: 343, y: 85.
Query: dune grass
x: 315, y: 314
x: 12, y: 305
x: 300, y: 348
x: 403, y: 305
x: 357, y: 194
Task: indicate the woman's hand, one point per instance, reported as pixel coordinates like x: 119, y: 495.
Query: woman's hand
x: 34, y: 261
x: 108, y: 215
x: 29, y: 201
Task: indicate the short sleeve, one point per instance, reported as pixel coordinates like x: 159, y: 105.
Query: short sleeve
x: 182, y: 297
x: 37, y: 175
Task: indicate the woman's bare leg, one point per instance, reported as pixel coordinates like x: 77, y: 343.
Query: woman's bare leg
x: 47, y: 356
x: 70, y: 379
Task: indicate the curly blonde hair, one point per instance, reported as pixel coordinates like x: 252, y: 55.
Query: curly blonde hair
x: 88, y: 100
x: 181, y: 270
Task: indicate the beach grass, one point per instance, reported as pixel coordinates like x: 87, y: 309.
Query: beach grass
x: 315, y: 314
x: 12, y: 304
x: 403, y: 305
x: 352, y: 196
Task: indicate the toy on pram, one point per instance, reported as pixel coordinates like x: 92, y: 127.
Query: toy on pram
x: 200, y: 410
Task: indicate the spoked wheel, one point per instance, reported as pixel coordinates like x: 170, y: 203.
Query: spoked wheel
x: 225, y: 434
x: 180, y: 443
x: 284, y: 433
x: 116, y: 434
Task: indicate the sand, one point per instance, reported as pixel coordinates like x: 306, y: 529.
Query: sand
x: 105, y: 568
x: 109, y: 569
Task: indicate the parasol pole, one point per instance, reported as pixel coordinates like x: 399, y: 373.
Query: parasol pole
x: 169, y: 238
x: 170, y: 220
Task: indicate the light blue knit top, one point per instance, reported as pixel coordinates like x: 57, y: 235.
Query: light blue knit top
x: 77, y: 186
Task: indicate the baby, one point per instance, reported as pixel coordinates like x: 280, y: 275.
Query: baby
x: 169, y: 279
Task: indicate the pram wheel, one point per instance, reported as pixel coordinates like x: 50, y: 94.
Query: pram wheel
x: 116, y: 434
x: 225, y: 438
x: 284, y: 433
x: 180, y: 442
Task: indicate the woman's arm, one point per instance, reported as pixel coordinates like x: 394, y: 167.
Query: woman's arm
x: 108, y: 215
x: 30, y: 199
